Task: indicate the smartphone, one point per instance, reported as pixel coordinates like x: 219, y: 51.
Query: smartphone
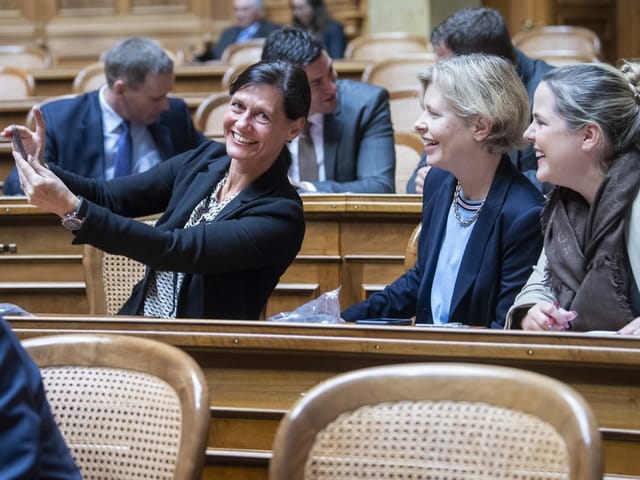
x: 17, y: 142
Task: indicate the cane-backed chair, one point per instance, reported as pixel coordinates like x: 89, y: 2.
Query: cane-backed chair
x: 438, y: 421
x: 245, y: 52
x: 376, y: 46
x: 109, y: 278
x: 398, y: 72
x: 411, y: 250
x: 127, y: 407
x: 571, y: 40
x: 15, y: 83
x: 231, y: 73
x: 408, y: 148
x: 90, y: 78
x: 208, y: 117
x: 406, y: 108
x: 26, y: 57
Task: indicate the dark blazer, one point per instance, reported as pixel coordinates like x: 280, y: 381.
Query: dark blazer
x: 75, y: 141
x: 334, y: 39
x: 230, y: 35
x: 505, y: 242
x: 231, y: 265
x: 359, y: 154
x: 32, y: 445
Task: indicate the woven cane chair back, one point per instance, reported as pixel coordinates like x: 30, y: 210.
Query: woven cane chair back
x: 405, y: 107
x: 127, y: 407
x: 109, y: 278
x: 438, y: 422
x: 400, y: 71
x: 408, y: 148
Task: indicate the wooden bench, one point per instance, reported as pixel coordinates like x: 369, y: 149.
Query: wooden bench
x: 257, y: 370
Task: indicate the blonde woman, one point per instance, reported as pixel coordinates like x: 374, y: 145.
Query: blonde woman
x: 480, y: 215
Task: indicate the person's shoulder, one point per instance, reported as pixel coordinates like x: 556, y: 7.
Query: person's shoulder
x: 521, y: 190
x: 72, y: 107
x: 177, y: 103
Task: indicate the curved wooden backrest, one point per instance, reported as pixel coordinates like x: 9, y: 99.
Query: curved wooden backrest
x: 109, y: 278
x: 438, y: 420
x: 409, y: 148
x: 376, y: 46
x: 128, y: 407
x: 245, y: 52
x: 208, y: 116
x: 90, y: 78
x: 232, y: 72
x: 569, y: 39
x: 558, y: 58
x: 405, y: 108
x: 411, y: 250
x: 398, y: 72
x: 15, y: 83
x: 26, y: 57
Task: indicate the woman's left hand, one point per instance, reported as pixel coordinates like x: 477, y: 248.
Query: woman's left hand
x: 631, y: 328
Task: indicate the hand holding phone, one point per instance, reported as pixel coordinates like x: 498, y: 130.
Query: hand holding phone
x: 17, y: 142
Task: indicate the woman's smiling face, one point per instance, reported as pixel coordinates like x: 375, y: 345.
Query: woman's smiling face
x: 255, y: 125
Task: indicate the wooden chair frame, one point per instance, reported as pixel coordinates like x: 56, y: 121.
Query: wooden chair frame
x: 27, y: 57
x: 245, y: 52
x: 24, y: 78
x: 584, y: 42
x: 214, y: 105
x: 128, y: 354
x: 410, y: 141
x: 85, y: 80
x: 394, y: 72
x: 559, y: 406
x: 394, y: 42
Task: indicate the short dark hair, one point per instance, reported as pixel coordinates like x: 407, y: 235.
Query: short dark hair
x: 292, y: 44
x: 288, y: 78
x: 475, y: 30
x: 133, y: 58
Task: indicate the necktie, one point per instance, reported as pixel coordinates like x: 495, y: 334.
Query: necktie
x: 122, y: 158
x: 307, y: 156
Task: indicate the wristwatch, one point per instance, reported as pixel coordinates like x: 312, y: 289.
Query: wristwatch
x: 73, y: 220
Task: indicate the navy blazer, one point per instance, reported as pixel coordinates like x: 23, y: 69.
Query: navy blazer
x: 231, y: 264
x: 229, y: 36
x: 359, y: 153
x: 505, y: 242
x: 334, y: 39
x: 75, y: 142
x: 32, y: 445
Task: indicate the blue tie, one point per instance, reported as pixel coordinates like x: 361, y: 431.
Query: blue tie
x: 122, y: 158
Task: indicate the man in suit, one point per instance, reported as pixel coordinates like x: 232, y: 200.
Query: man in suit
x: 250, y: 24
x: 484, y: 30
x: 84, y: 133
x: 31, y: 443
x: 351, y: 147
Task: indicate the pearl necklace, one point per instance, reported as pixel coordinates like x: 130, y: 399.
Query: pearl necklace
x: 456, y: 208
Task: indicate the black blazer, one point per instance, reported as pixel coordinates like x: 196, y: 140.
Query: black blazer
x: 231, y: 265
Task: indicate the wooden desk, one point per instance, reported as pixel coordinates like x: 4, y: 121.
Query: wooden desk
x: 201, y: 78
x: 356, y: 241
x: 257, y: 370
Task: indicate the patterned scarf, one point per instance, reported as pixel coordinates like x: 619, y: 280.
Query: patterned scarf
x: 588, y: 268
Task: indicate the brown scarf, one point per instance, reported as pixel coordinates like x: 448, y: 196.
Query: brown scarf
x: 588, y: 267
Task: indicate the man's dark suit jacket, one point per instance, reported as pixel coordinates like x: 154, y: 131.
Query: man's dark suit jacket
x: 505, y: 242
x: 231, y: 264
x: 31, y: 444
x: 230, y: 36
x: 75, y: 141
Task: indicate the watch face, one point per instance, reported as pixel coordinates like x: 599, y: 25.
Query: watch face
x: 72, y: 223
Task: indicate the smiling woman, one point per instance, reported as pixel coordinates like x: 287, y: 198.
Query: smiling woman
x: 480, y: 215
x: 231, y: 222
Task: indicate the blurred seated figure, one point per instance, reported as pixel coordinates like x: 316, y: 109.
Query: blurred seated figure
x: 127, y: 126
x: 32, y: 446
x: 313, y: 15
x: 484, y: 30
x: 480, y: 215
x: 250, y: 24
x: 586, y: 134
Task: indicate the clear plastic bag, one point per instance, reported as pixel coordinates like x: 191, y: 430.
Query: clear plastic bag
x: 324, y: 309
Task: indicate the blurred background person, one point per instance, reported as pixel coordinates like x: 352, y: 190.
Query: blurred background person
x: 127, y: 126
x: 586, y: 134
x: 231, y: 222
x: 484, y: 30
x: 313, y: 15
x: 480, y: 215
x: 250, y: 24
x: 347, y: 144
